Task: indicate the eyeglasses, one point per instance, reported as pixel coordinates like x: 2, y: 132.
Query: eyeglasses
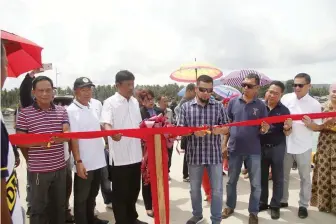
x: 298, y: 85
x: 203, y: 90
x: 250, y: 86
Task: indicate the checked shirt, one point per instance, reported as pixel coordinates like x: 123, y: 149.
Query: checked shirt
x: 203, y: 150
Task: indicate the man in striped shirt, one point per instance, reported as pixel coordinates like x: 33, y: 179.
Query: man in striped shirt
x: 45, y: 160
x: 204, y: 150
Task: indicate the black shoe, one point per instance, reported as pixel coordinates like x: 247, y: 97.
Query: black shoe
x: 194, y: 220
x: 283, y: 205
x: 263, y: 207
x: 253, y: 219
x: 275, y: 213
x: 100, y: 221
x: 139, y: 222
x: 303, y: 213
x: 28, y: 212
x: 69, y: 218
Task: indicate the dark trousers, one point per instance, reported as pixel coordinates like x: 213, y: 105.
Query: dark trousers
x: 47, y: 200
x: 28, y: 189
x: 170, y: 153
x: 185, y: 166
x: 272, y: 157
x: 147, y: 196
x: 68, y: 186
x: 184, y: 145
x: 105, y: 184
x: 85, y: 193
x: 125, y: 191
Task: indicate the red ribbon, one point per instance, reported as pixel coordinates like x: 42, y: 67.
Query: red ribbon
x: 21, y: 139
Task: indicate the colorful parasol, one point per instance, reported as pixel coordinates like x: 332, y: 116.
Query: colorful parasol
x: 226, y: 91
x: 236, y: 78
x: 190, y: 72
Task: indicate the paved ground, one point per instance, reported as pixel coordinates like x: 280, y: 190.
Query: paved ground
x: 181, y: 207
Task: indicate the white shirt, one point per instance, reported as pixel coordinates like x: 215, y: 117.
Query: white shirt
x: 301, y: 138
x: 66, y: 146
x: 85, y: 118
x: 97, y: 105
x: 122, y: 114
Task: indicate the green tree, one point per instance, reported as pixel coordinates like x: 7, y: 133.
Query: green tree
x: 262, y: 91
x: 10, y: 98
x: 289, y: 86
x: 319, y: 91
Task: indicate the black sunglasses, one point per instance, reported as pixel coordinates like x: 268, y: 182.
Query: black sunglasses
x: 250, y: 86
x: 298, y: 85
x: 203, y: 90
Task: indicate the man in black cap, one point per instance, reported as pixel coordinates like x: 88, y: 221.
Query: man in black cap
x: 89, y: 155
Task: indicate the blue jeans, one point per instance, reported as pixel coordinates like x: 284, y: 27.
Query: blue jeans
x: 254, y: 171
x: 216, y: 182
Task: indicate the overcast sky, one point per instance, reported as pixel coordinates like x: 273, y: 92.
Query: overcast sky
x: 152, y: 38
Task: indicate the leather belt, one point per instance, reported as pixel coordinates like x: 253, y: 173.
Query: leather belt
x: 269, y: 145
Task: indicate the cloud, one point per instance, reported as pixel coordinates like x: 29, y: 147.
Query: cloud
x: 153, y: 38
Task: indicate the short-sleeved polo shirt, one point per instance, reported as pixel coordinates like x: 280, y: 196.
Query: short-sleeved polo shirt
x: 275, y: 135
x: 245, y: 139
x: 85, y: 119
x: 34, y: 120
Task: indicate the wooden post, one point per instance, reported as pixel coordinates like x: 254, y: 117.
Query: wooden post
x: 160, y: 179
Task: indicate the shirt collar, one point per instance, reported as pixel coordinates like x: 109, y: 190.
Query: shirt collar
x: 194, y: 101
x: 122, y: 98
x: 254, y: 99
x: 36, y: 106
x: 279, y: 104
x: 303, y: 98
x: 81, y: 106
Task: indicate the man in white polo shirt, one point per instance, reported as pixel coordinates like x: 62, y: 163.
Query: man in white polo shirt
x: 299, y: 143
x: 89, y: 157
x: 121, y: 111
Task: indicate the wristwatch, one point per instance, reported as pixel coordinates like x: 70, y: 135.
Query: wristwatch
x: 78, y: 161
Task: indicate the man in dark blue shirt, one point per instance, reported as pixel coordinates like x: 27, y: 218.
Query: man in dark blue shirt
x: 273, y: 147
x: 244, y: 145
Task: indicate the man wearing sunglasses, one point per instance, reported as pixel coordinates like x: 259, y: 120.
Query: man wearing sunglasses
x: 244, y: 145
x: 204, y: 148
x: 299, y: 144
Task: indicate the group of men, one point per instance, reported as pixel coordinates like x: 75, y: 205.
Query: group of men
x: 274, y: 146
x: 259, y: 146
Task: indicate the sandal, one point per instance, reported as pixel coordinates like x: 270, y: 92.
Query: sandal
x: 227, y: 212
